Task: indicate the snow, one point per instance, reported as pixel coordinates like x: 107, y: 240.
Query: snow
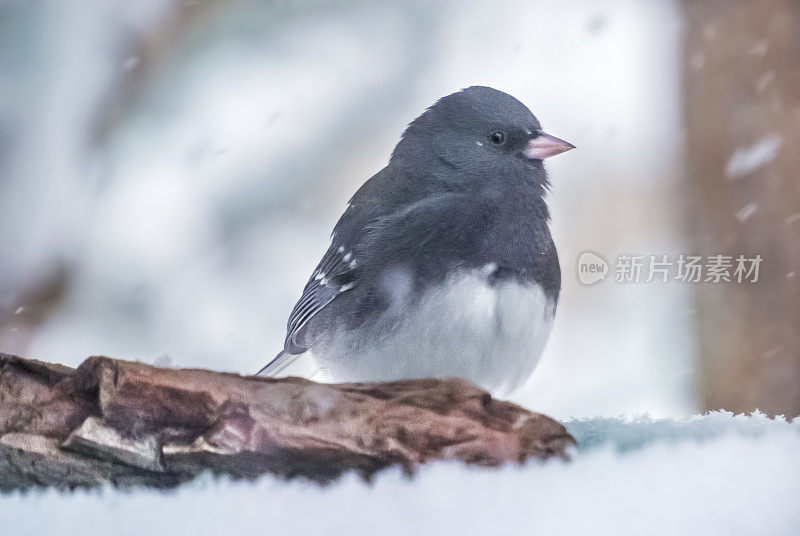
x: 711, y: 474
x: 764, y: 81
x: 697, y: 61
x: 748, y: 159
x: 748, y: 210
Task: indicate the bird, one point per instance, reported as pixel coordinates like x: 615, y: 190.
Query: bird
x: 442, y: 264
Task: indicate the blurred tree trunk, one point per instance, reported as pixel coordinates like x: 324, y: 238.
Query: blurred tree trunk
x: 741, y: 71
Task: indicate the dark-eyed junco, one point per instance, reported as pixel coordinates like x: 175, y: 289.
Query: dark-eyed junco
x: 442, y: 264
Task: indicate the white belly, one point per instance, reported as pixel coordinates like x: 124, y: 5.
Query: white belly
x: 491, y: 334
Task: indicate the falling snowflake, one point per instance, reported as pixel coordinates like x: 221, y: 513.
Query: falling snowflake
x: 748, y: 210
x: 748, y: 159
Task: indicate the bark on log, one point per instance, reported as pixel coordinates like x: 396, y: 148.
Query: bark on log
x: 134, y: 424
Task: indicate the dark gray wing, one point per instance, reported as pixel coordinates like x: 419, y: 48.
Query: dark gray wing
x: 337, y: 272
x: 340, y: 269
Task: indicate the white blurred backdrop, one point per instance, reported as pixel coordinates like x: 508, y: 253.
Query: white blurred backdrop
x: 171, y: 172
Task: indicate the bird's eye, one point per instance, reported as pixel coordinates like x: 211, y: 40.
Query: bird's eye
x: 498, y: 137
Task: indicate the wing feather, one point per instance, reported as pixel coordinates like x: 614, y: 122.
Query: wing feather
x: 336, y: 273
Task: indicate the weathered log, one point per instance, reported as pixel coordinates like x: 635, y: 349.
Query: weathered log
x: 135, y: 424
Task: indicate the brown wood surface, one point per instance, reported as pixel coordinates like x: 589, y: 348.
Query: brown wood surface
x: 135, y: 424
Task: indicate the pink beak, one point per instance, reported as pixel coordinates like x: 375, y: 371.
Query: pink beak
x: 544, y: 146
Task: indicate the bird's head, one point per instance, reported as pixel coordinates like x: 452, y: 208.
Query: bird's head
x: 480, y: 132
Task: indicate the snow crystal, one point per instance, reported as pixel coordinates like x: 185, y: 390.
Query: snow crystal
x: 772, y: 352
x: 698, y: 61
x: 747, y: 159
x: 711, y: 474
x: 131, y: 62
x: 748, y: 210
x: 760, y: 48
x: 764, y: 81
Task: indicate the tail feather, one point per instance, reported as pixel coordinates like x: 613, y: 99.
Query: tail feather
x: 303, y: 365
x: 277, y: 364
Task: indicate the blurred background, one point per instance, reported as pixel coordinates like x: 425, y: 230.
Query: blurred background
x: 170, y: 173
